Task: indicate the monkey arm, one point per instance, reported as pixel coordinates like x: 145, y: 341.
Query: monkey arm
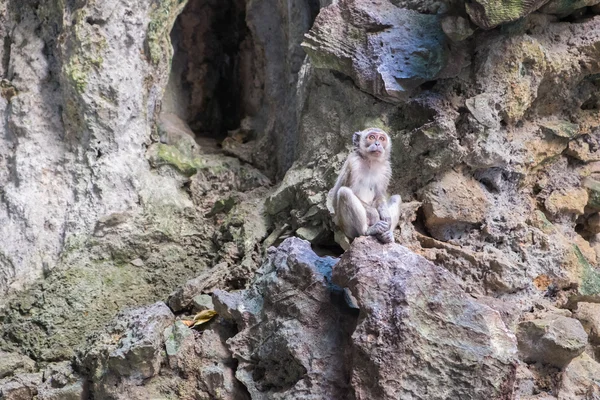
x: 343, y: 177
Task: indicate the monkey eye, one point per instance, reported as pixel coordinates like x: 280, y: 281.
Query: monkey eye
x: 382, y: 138
x: 371, y: 137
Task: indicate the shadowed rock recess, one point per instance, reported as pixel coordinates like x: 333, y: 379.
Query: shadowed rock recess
x: 161, y: 158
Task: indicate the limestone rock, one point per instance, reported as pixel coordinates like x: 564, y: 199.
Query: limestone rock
x: 584, y: 275
x: 175, y: 132
x: 10, y: 363
x: 580, y: 380
x: 584, y: 149
x: 130, y: 350
x: 593, y: 188
x: 404, y: 298
x: 563, y: 129
x: 511, y: 69
x: 491, y: 13
x: 453, y: 205
x: 570, y: 202
x: 20, y: 387
x: 174, y: 337
x: 554, y: 340
x: 210, y: 364
x: 291, y: 307
x: 589, y: 316
x: 143, y: 355
x: 456, y: 28
x: 61, y: 382
x: 388, y: 51
x: 202, y: 302
x: 483, y: 108
x: 564, y: 7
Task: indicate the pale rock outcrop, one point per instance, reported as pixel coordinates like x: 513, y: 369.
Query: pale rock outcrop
x: 363, y: 39
x: 589, y: 316
x: 453, y: 205
x: 554, y: 340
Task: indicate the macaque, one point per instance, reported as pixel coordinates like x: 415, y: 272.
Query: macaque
x: 359, y: 197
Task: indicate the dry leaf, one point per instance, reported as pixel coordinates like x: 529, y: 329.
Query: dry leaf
x: 187, y: 323
x: 203, y: 317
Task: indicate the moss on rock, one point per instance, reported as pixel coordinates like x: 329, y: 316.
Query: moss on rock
x: 491, y: 13
x: 162, y: 154
x: 162, y: 18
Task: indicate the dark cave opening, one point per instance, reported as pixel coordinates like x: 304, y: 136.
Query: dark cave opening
x: 205, y: 81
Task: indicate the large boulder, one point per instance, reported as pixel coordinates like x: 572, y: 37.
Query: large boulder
x: 419, y: 335
x: 294, y: 328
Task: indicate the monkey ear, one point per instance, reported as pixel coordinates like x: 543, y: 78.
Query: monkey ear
x: 356, y: 139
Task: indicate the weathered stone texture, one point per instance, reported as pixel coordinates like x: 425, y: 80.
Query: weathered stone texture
x: 459, y: 348
x: 294, y: 328
x: 554, y: 340
x: 362, y: 40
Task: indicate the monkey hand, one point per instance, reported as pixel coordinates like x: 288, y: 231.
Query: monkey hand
x: 386, y: 237
x: 378, y: 228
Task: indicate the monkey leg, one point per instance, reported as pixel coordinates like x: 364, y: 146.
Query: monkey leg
x: 393, y: 205
x: 353, y: 217
x: 351, y: 214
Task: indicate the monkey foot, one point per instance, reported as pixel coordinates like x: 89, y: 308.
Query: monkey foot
x: 379, y: 228
x: 385, y: 237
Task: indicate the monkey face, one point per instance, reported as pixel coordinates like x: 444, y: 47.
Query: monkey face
x: 375, y: 143
x: 372, y: 142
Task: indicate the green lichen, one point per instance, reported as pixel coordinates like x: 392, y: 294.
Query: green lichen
x: 593, y: 188
x: 84, y: 50
x: 76, y: 75
x: 49, y: 319
x: 491, y: 13
x: 162, y: 154
x: 162, y: 17
x: 563, y: 129
x: 590, y: 276
x: 174, y: 337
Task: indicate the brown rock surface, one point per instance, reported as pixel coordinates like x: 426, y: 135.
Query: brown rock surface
x: 589, y: 316
x: 453, y: 205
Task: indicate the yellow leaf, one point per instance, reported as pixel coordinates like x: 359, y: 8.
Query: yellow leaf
x: 187, y: 323
x: 203, y: 317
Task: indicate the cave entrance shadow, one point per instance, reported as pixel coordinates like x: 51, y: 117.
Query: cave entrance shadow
x: 205, y: 85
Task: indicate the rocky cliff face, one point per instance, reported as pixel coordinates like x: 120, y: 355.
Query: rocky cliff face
x: 155, y: 151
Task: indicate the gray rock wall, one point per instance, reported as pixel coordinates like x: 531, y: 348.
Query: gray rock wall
x: 110, y: 197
